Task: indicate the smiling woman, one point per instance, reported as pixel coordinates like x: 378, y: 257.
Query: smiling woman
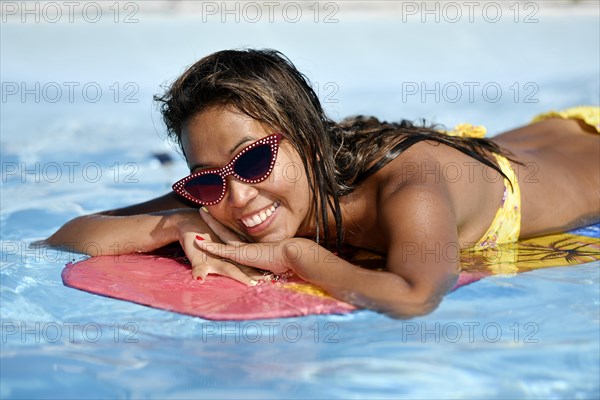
x: 275, y: 175
x: 216, y: 135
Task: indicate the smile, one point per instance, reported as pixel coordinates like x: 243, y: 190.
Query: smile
x: 261, y: 216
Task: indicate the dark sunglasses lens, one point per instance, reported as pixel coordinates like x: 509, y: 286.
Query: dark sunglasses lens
x: 255, y: 163
x: 206, y: 188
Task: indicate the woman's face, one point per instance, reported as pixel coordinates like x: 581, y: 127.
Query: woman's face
x: 269, y: 211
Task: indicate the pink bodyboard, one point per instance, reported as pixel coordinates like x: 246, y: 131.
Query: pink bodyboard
x: 167, y: 283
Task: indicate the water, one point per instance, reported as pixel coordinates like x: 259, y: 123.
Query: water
x: 534, y: 335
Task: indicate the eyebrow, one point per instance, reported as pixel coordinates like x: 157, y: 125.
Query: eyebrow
x: 244, y: 140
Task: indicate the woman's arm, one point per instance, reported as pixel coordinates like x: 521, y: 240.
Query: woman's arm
x: 422, y: 259
x: 100, y: 234
x: 141, y: 227
x: 145, y: 227
x: 419, y: 220
x: 169, y: 201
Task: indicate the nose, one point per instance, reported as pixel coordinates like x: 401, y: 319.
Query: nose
x: 239, y: 193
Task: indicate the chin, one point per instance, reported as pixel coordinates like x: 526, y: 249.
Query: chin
x: 273, y: 237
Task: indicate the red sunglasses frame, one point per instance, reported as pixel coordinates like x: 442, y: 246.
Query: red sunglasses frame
x: 223, y: 172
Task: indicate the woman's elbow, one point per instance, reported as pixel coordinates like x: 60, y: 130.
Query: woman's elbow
x: 68, y: 237
x: 416, y: 305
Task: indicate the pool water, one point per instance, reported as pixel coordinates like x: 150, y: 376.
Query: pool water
x: 533, y: 335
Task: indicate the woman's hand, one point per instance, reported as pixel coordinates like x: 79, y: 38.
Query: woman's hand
x: 204, y: 263
x: 295, y: 255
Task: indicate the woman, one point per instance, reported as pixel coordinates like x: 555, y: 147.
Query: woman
x: 283, y: 187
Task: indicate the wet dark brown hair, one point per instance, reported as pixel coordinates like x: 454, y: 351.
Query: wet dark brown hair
x: 337, y: 157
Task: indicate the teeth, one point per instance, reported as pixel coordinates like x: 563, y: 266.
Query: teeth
x: 260, y: 217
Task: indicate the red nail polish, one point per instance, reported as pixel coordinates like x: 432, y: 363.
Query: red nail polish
x: 198, y: 237
x: 199, y: 278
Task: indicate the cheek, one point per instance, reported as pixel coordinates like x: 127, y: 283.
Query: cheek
x: 292, y: 175
x: 302, y: 189
x: 291, y: 179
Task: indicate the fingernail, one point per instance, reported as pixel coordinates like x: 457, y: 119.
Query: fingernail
x: 199, y: 278
x: 198, y: 237
x: 204, y: 209
x: 253, y: 282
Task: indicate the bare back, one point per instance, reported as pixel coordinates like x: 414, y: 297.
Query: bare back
x: 560, y: 178
x: 559, y: 182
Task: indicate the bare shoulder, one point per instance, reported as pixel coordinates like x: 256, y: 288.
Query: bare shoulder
x: 409, y: 208
x: 411, y: 204
x: 420, y: 224
x: 469, y: 188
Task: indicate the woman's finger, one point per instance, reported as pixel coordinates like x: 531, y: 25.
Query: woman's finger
x: 223, y: 268
x: 204, y: 263
x: 224, y: 233
x: 258, y: 255
x: 254, y: 273
x: 191, y: 250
